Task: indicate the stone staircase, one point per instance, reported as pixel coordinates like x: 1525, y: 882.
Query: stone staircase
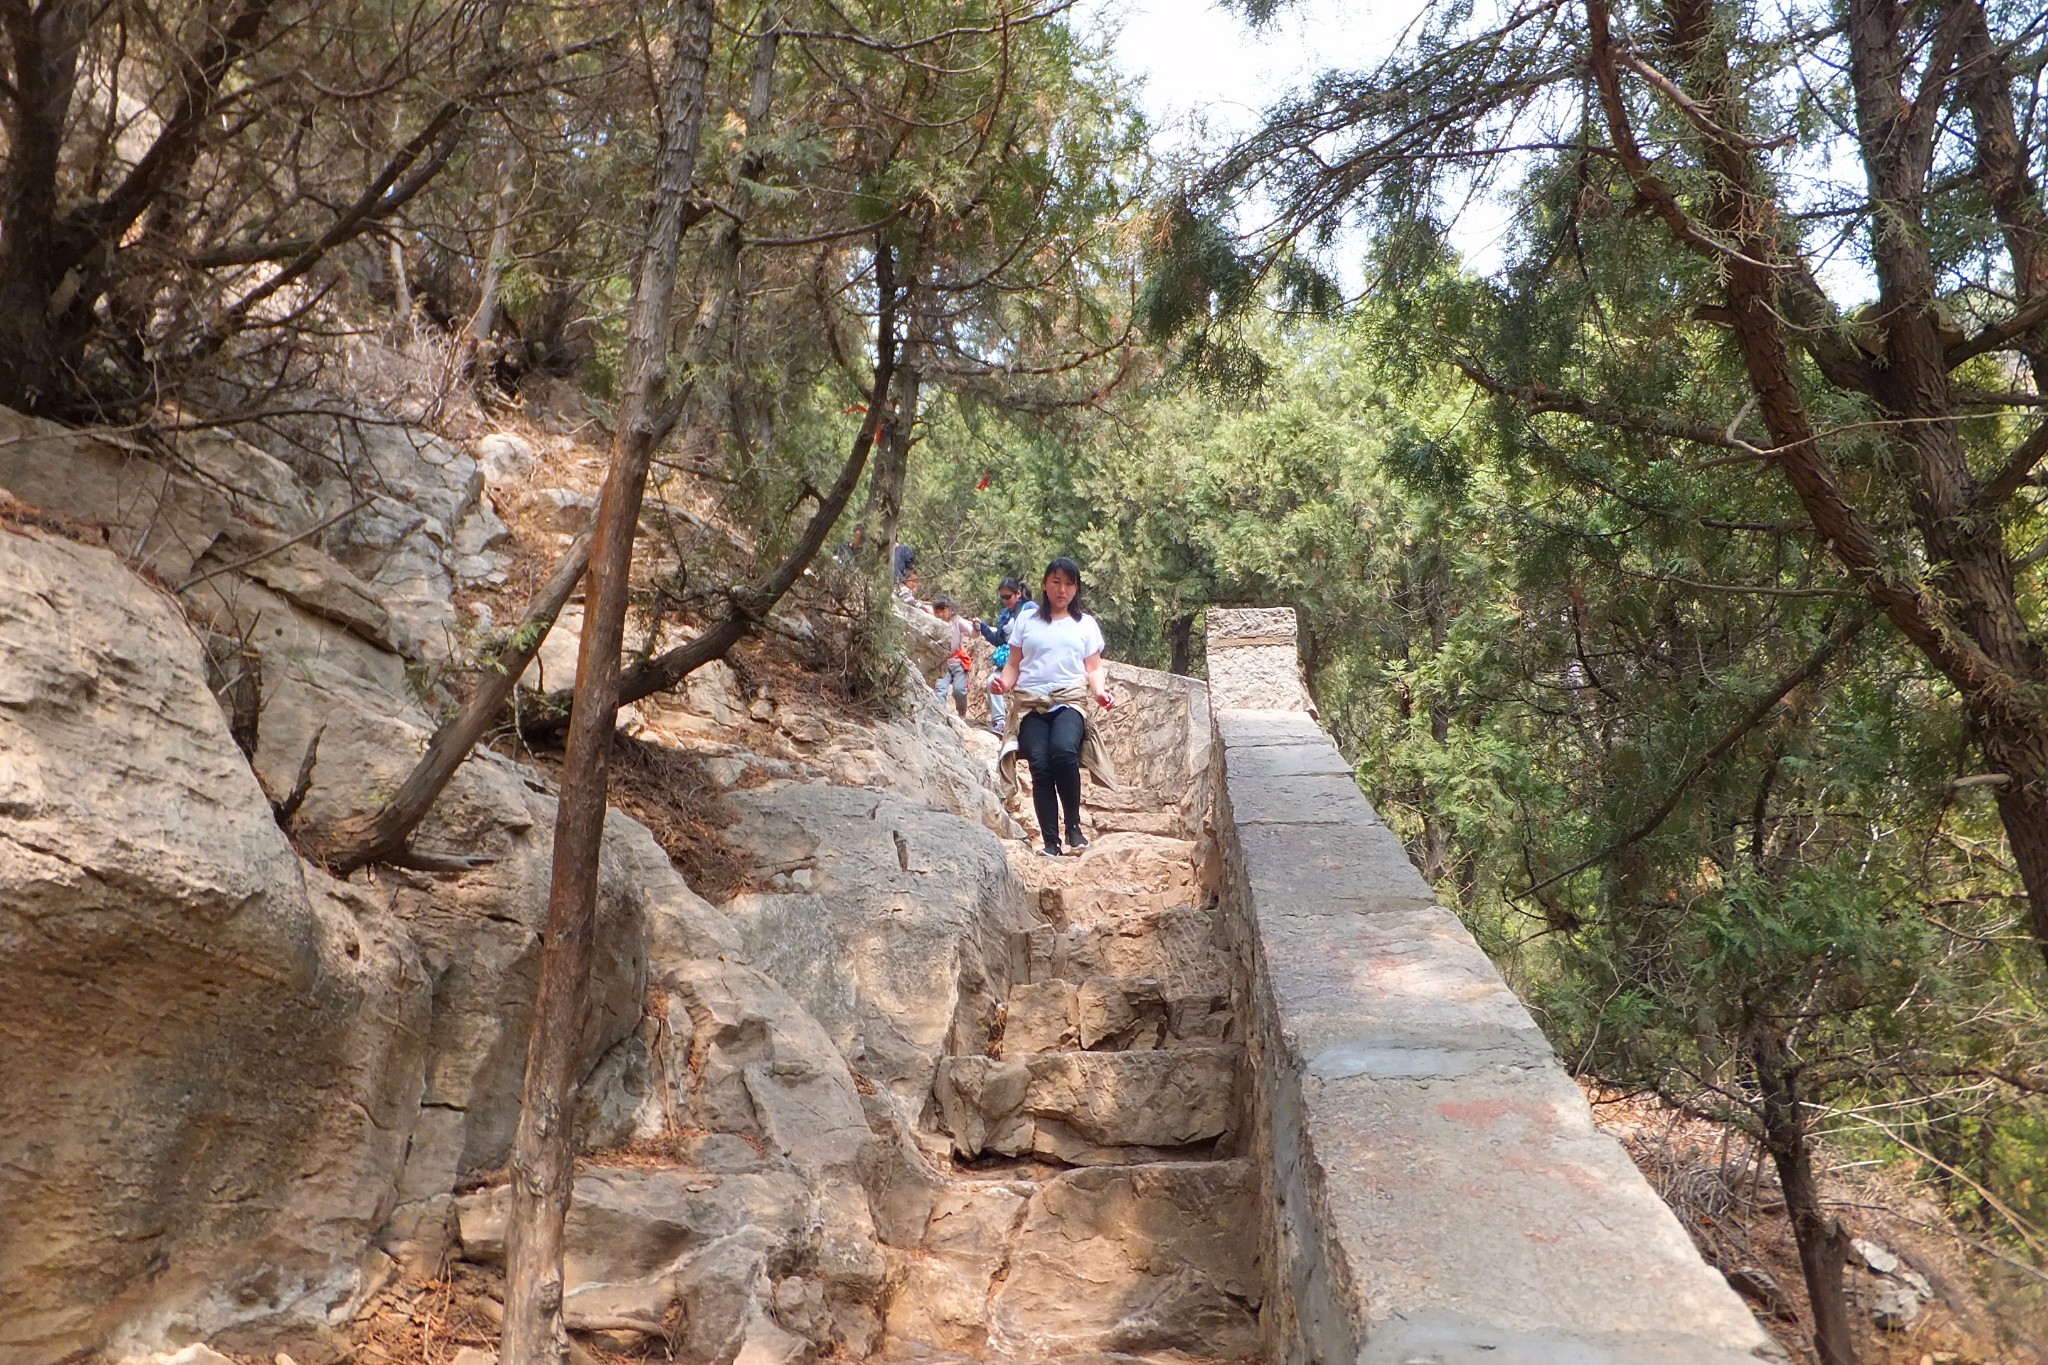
x: 1096, y: 1207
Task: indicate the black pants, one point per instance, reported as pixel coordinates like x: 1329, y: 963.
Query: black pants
x: 1051, y: 743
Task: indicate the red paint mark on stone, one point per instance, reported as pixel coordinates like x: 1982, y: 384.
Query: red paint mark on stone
x: 1483, y: 1114
x: 1478, y: 1113
x: 1578, y: 1177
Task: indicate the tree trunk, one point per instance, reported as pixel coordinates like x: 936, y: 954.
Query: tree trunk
x: 401, y: 292
x: 45, y: 46
x: 54, y: 266
x: 1823, y: 1244
x: 748, y: 606
x: 544, y: 1152
x: 476, y: 337
x: 892, y: 466
x: 381, y: 836
x: 1180, y: 633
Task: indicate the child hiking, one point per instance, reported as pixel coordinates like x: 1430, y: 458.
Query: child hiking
x: 961, y: 661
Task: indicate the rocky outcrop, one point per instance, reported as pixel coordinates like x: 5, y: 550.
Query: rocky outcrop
x: 1090, y: 1108
x: 690, y: 1257
x: 216, y: 1053
x: 253, y: 1091
x: 1136, y: 1258
x: 898, y: 934
x: 254, y: 1094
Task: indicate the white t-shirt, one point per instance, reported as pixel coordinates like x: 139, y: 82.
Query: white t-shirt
x: 1053, y: 650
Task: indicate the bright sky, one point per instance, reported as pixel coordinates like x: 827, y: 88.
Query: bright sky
x: 1205, y: 75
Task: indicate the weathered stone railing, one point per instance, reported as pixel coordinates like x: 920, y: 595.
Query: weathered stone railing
x: 1438, y: 1192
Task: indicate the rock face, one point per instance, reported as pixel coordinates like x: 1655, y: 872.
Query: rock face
x: 903, y: 940
x: 250, y: 1091
x: 648, y: 1250
x: 1135, y: 1258
x: 412, y: 522
x: 245, y: 1094
x: 1090, y: 1108
x: 215, y: 1054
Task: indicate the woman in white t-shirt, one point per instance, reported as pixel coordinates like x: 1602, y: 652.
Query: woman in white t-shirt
x: 1053, y: 651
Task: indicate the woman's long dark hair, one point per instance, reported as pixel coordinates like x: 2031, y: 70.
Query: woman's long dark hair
x: 1066, y: 566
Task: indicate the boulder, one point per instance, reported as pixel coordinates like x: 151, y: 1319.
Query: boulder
x: 507, y: 459
x: 403, y: 498
x: 564, y: 510
x: 410, y: 464
x: 902, y: 945
x: 644, y: 1249
x: 145, y: 511
x: 941, y: 1292
x: 217, y: 1052
x: 195, y: 1354
x: 757, y: 1065
x: 927, y: 639
x: 260, y: 488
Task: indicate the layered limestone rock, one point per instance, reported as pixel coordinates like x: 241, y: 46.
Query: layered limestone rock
x: 1135, y: 1258
x: 684, y: 1256
x: 1090, y: 1108
x: 216, y: 1053
x: 250, y: 1094
x: 253, y: 1091
x: 899, y: 941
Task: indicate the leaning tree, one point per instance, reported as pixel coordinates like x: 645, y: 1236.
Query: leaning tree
x: 1835, y: 205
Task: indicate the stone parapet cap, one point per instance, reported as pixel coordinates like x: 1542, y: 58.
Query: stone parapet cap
x: 1254, y: 660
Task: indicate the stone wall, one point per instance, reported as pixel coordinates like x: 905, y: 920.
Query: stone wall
x: 1159, y: 734
x: 1253, y: 663
x: 1439, y: 1193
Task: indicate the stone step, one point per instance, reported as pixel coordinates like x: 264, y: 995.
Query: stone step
x: 916, y: 1353
x: 1090, y: 1267
x: 1118, y: 874
x: 1135, y: 1259
x: 1168, y: 823
x: 1114, y: 1013
x: 1090, y: 1108
x: 1182, y: 947
x: 940, y: 1290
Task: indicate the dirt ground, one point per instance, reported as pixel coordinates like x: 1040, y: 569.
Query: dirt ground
x: 1978, y: 1311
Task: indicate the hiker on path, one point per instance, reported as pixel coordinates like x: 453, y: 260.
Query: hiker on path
x: 961, y: 661
x: 1055, y: 665
x: 1010, y: 592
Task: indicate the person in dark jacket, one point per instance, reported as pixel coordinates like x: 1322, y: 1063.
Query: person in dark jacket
x: 1010, y: 592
